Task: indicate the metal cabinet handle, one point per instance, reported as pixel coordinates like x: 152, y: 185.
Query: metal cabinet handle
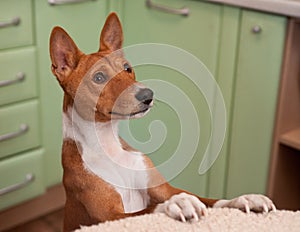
x: 22, y: 130
x: 184, y: 11
x: 13, y: 22
x: 20, y: 77
x: 256, y: 29
x: 28, y: 179
x: 62, y: 2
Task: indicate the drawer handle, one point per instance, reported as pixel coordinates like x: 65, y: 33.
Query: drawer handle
x: 256, y: 29
x: 19, y: 78
x: 22, y: 130
x: 184, y: 11
x: 13, y: 22
x: 28, y: 179
x: 62, y: 2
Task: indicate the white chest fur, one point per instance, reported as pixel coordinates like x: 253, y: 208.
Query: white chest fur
x: 103, y: 155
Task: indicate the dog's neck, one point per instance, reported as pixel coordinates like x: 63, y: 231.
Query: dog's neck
x: 103, y: 155
x: 99, y: 137
x: 100, y: 146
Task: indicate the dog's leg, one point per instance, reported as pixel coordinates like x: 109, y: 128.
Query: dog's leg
x: 179, y: 204
x: 254, y: 202
x: 183, y: 206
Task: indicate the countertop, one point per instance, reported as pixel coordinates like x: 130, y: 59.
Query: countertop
x: 283, y: 7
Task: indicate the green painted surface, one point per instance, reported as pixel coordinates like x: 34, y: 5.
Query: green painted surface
x: 14, y: 170
x: 22, y: 34
x: 83, y: 21
x: 198, y: 34
x: 257, y: 78
x: 219, y: 36
x: 13, y: 62
x: 225, y: 77
x: 14, y: 116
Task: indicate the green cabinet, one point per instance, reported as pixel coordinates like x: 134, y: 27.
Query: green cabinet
x: 20, y: 118
x: 258, y: 68
x: 18, y: 66
x: 165, y: 130
x: 243, y: 51
x: 21, y: 156
x: 83, y: 22
x: 19, y: 16
x: 30, y: 97
x: 23, y: 173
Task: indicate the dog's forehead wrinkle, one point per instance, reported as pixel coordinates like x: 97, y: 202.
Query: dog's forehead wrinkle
x: 103, y: 65
x: 116, y: 63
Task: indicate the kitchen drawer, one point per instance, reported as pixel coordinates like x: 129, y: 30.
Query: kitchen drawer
x: 18, y: 75
x: 14, y: 35
x: 25, y: 171
x: 19, y: 128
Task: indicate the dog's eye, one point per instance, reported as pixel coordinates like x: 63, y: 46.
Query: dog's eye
x: 99, y: 78
x: 127, y: 68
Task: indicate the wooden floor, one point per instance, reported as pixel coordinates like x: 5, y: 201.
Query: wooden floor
x: 49, y: 223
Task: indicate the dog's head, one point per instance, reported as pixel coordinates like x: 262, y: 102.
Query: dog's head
x: 101, y: 84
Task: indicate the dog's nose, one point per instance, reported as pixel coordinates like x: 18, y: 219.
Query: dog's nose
x: 145, y: 96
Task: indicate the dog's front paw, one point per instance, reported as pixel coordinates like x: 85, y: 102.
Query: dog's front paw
x: 254, y: 202
x: 184, y: 207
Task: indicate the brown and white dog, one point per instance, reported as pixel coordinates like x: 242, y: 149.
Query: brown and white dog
x: 104, y: 178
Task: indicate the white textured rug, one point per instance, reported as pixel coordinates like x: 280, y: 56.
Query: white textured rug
x: 218, y: 220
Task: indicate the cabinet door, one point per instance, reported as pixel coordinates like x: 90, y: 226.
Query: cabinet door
x: 18, y: 67
x: 257, y: 77
x: 16, y: 21
x: 21, y: 178
x: 19, y: 128
x: 161, y: 132
x: 83, y: 22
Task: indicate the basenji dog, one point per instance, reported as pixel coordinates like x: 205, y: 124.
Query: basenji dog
x: 104, y: 178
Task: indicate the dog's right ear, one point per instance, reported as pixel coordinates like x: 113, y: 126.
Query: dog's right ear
x: 64, y: 53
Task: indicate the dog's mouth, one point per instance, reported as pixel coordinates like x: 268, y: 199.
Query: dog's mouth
x: 136, y: 114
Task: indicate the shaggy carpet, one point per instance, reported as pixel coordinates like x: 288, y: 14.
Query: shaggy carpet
x: 217, y: 220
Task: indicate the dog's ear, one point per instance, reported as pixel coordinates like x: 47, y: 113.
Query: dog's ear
x: 112, y: 35
x: 63, y: 52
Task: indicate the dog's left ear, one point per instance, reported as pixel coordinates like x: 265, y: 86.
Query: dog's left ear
x: 112, y: 35
x: 64, y: 53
